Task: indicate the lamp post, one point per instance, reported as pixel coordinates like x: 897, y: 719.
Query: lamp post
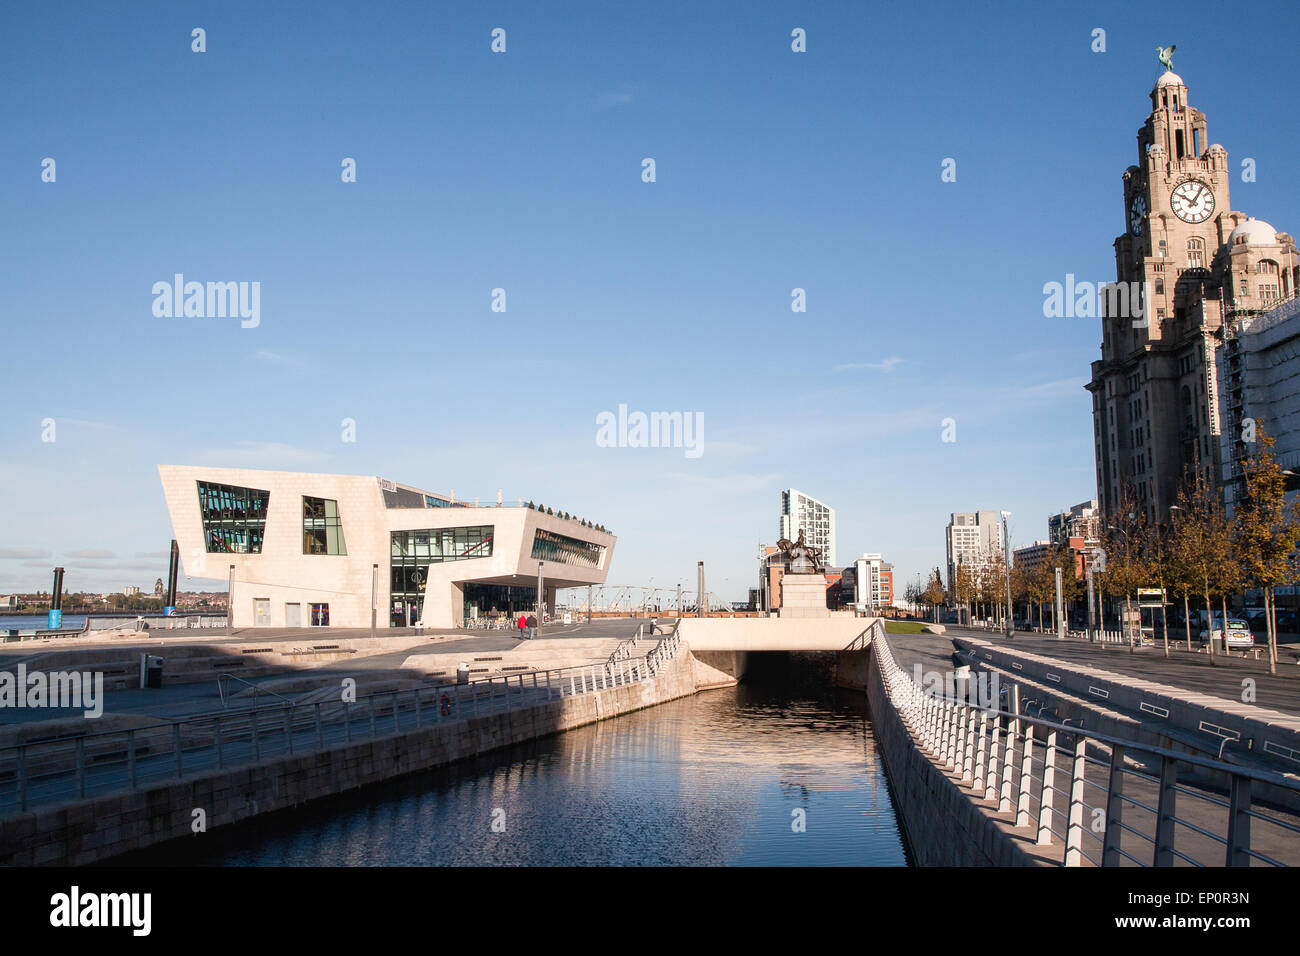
x: 1006, y: 562
x: 230, y: 602
x: 539, y: 596
x: 699, y: 592
x: 1127, y: 626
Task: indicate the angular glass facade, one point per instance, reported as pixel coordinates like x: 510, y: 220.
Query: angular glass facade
x: 549, y: 546
x: 322, y: 532
x: 410, y: 498
x: 493, y: 600
x: 234, y: 518
x: 413, y: 551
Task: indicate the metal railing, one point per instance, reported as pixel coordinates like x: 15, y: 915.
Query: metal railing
x: 70, y: 767
x: 625, y: 648
x: 1133, y: 808
x: 224, y: 680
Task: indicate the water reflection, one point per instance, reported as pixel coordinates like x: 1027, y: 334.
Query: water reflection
x: 713, y: 779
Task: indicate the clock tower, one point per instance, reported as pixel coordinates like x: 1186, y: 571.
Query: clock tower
x: 1155, y: 390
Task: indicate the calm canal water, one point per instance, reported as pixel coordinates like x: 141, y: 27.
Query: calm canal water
x: 714, y: 779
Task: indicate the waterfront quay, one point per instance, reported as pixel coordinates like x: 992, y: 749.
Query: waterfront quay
x: 1029, y: 781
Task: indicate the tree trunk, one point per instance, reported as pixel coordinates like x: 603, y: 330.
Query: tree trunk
x: 1128, y: 615
x: 1223, y: 600
x: 1209, y: 621
x: 1270, y: 612
x: 1164, y: 618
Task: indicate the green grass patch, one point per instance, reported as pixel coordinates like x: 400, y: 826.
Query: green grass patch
x: 904, y: 627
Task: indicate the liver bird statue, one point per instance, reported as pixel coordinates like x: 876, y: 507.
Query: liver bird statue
x: 1166, y: 56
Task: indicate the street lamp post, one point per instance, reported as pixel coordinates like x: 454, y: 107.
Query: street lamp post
x: 374, y: 609
x: 539, y: 596
x: 1006, y: 543
x: 230, y: 602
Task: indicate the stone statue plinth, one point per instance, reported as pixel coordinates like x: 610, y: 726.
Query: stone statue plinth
x: 803, y: 595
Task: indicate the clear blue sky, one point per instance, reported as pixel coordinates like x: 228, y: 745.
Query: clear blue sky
x: 775, y: 170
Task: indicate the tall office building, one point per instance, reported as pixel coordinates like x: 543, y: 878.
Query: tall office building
x: 815, y: 518
x: 973, y: 538
x: 1259, y: 366
x: 1155, y: 389
x: 1081, y: 521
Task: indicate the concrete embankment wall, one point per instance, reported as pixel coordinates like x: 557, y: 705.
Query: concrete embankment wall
x: 99, y: 828
x: 942, y: 824
x: 719, y: 668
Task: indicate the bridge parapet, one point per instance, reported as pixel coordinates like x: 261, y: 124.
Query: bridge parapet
x: 835, y: 633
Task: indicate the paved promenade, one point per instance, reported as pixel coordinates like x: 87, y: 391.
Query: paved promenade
x: 180, y: 700
x: 1189, y: 670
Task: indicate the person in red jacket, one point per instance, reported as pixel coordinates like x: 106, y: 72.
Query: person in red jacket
x: 521, y: 624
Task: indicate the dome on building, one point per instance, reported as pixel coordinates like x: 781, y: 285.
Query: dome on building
x: 1169, y: 78
x: 1254, y: 231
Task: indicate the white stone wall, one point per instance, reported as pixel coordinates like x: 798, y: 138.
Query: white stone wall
x: 283, y: 575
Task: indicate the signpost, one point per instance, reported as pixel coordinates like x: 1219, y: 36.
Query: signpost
x: 1149, y: 599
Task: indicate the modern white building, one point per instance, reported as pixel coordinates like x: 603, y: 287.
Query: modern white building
x: 306, y: 550
x: 873, y: 582
x: 973, y: 538
x: 815, y: 518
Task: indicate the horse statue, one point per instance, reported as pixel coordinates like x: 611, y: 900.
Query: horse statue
x: 800, y: 553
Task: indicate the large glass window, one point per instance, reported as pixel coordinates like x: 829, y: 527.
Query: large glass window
x: 322, y: 532
x: 234, y: 518
x: 549, y: 546
x: 413, y: 552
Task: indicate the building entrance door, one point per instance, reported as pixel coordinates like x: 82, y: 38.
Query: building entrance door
x: 261, y: 612
x: 293, y: 615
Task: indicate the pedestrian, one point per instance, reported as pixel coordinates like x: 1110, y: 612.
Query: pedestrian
x: 521, y: 624
x: 532, y: 625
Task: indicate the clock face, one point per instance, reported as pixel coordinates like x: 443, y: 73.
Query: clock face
x: 1192, y: 201
x: 1137, y: 214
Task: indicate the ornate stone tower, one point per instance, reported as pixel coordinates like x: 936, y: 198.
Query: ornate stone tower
x: 1155, y: 390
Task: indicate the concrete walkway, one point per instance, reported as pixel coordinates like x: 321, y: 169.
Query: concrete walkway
x: 180, y: 700
x: 1188, y: 670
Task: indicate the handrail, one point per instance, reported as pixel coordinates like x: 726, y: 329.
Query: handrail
x: 957, y: 734
x: 256, y: 689
x: 108, y: 761
x: 368, y: 697
x: 624, y: 648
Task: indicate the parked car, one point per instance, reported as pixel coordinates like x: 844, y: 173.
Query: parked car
x: 1238, y: 633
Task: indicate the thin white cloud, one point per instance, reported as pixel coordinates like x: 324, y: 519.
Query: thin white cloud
x: 280, y: 359
x: 259, y: 454
x: 613, y: 99
x: 92, y: 554
x: 884, y: 365
x: 25, y: 553
x: 719, y: 484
